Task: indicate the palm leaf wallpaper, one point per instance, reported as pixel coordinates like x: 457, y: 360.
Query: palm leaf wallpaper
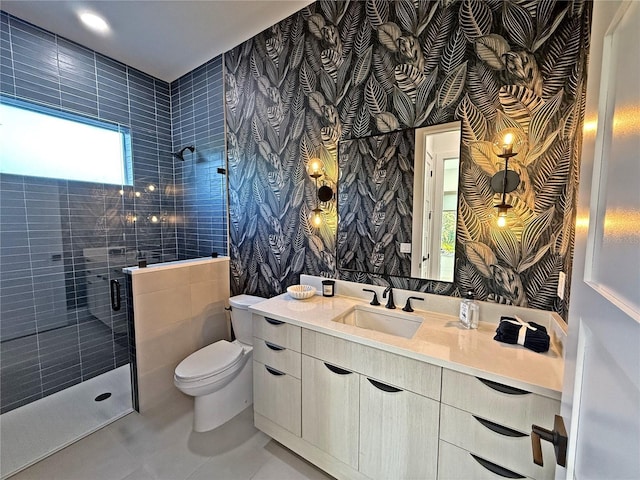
x: 347, y: 69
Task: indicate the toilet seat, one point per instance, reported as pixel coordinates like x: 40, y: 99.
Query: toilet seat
x: 210, y: 361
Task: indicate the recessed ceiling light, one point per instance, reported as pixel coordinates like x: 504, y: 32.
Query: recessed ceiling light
x: 94, y: 22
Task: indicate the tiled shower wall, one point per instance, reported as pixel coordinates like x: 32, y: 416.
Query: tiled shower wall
x: 61, y: 240
x: 198, y: 120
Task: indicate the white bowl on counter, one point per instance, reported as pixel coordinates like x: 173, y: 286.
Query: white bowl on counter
x: 300, y: 292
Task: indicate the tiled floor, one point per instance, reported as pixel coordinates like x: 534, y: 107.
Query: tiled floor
x: 162, y: 445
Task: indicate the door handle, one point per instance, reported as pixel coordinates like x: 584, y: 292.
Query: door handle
x: 115, y: 295
x: 383, y: 386
x: 557, y: 436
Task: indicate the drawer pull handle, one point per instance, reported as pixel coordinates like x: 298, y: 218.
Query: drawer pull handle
x: 272, y: 321
x: 497, y: 469
x: 273, y: 346
x: 502, y: 388
x: 339, y: 371
x: 383, y: 386
x: 273, y: 371
x: 507, y: 432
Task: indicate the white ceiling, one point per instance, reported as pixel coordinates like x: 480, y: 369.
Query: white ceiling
x: 164, y: 38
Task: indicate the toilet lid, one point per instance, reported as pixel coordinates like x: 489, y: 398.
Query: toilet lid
x: 245, y: 301
x: 209, y: 361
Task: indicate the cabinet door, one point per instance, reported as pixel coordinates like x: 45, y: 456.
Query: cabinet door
x: 398, y: 432
x: 330, y: 404
x: 276, y: 396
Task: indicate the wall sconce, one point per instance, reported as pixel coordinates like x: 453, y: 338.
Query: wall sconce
x: 324, y: 193
x: 505, y: 181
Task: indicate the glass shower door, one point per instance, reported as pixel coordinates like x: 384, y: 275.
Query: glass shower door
x: 64, y: 355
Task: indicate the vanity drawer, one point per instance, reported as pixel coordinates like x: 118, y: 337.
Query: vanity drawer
x: 395, y: 370
x: 454, y: 463
x: 277, y: 332
x: 276, y: 356
x: 278, y: 397
x: 494, y: 442
x: 511, y: 407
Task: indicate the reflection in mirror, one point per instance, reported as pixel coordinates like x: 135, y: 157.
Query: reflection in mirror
x: 435, y: 200
x: 397, y: 216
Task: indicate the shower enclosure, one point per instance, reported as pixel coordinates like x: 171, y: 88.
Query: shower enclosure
x: 67, y: 228
x: 64, y: 352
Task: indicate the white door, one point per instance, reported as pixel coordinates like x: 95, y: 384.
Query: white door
x: 601, y: 395
x: 427, y: 221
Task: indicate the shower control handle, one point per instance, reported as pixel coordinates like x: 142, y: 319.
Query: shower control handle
x: 115, y: 295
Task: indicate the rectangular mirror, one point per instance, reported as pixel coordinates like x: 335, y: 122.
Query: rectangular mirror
x: 397, y: 202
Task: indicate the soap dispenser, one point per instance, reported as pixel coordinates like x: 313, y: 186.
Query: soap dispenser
x: 469, y: 311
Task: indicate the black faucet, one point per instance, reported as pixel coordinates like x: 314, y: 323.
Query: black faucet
x: 375, y: 296
x: 390, y: 303
x: 407, y: 307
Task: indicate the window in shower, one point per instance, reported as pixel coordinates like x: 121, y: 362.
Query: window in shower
x: 43, y: 142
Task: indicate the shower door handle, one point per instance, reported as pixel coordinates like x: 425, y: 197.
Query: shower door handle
x: 115, y: 295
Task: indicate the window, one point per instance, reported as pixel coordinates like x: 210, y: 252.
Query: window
x: 43, y: 142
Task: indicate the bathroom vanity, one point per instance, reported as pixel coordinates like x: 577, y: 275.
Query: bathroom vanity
x: 369, y: 401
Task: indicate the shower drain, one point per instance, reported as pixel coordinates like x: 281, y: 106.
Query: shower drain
x: 102, y: 396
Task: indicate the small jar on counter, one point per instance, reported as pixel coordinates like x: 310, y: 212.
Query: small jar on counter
x: 328, y: 288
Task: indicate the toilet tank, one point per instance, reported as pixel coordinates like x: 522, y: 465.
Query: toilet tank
x: 241, y: 316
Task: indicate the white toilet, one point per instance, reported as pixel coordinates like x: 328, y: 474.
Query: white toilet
x: 219, y: 375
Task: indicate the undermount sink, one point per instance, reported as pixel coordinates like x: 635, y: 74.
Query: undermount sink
x: 386, y: 321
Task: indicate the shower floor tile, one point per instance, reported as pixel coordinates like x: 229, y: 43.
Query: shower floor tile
x: 34, y: 431
x: 161, y: 445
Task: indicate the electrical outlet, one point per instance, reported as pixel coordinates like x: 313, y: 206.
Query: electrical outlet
x: 405, y: 248
x: 562, y: 278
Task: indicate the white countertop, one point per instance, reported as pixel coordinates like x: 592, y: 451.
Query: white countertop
x: 440, y: 340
